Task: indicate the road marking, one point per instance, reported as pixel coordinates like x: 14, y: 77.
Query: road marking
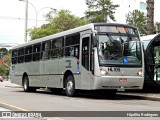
x: 13, y: 106
x: 21, y: 109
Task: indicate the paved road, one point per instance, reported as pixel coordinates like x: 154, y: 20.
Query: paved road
x: 14, y: 97
x: 3, y: 109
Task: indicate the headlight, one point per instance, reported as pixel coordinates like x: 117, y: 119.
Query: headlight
x: 103, y: 72
x: 140, y: 73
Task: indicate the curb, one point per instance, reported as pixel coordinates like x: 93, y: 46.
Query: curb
x: 13, y: 86
x: 140, y: 97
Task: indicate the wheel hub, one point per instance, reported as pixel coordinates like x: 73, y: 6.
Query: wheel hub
x: 25, y: 85
x: 70, y: 86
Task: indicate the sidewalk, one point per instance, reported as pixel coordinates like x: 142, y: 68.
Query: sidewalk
x: 9, y: 84
x: 144, y: 96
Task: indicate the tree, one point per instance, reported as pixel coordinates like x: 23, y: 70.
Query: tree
x: 44, y: 30
x: 138, y: 19
x: 58, y: 22
x: 3, y: 51
x: 150, y: 17
x: 100, y: 10
x: 157, y: 27
x: 5, y: 67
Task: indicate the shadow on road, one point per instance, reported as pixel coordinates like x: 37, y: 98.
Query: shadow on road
x: 87, y: 95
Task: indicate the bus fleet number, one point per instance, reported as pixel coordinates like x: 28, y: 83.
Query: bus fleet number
x: 114, y: 69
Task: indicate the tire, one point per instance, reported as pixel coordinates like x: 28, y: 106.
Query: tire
x: 26, y: 87
x: 70, y: 86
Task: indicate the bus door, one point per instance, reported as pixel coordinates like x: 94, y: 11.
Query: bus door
x: 85, y: 61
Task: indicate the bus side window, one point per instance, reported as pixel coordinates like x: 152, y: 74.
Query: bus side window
x: 72, y: 45
x: 57, y: 48
x: 21, y: 55
x: 14, y: 56
x: 36, y: 52
x: 85, y: 52
x: 46, y: 46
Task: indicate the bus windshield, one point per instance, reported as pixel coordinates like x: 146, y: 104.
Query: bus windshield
x: 119, y: 50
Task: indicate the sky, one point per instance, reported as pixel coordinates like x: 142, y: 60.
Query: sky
x: 12, y: 14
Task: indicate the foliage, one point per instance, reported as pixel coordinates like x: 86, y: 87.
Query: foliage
x: 157, y: 27
x: 100, y: 10
x: 65, y: 21
x: 44, y: 30
x: 58, y: 22
x: 3, y: 51
x: 138, y: 19
x: 6, y: 58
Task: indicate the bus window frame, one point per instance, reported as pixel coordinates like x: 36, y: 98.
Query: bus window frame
x: 35, y: 53
x: 21, y: 57
x: 73, y: 45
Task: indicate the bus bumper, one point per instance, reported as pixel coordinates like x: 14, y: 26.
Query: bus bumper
x: 119, y: 82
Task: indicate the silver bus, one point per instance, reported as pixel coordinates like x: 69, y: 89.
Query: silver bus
x: 152, y: 62
x: 97, y: 56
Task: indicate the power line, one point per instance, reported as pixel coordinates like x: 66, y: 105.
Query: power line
x: 15, y: 18
x: 8, y: 44
x: 4, y: 36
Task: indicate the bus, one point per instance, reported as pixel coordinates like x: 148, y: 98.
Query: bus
x: 152, y: 62
x: 93, y: 57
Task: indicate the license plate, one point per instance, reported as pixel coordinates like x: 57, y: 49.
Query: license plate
x: 123, y: 79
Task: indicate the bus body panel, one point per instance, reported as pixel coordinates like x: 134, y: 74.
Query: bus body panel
x: 96, y: 64
x: 47, y: 69
x: 122, y: 71
x: 118, y: 82
x: 126, y: 82
x: 122, y: 77
x: 70, y: 64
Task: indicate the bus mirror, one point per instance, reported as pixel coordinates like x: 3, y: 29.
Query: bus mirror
x: 95, y: 41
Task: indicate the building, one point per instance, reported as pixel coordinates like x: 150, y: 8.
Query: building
x: 129, y: 5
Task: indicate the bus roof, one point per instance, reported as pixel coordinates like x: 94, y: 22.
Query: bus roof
x: 148, y: 37
x: 71, y: 31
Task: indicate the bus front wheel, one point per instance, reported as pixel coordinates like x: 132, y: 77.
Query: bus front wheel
x: 70, y: 86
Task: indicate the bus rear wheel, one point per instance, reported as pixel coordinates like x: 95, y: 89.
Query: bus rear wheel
x: 26, y: 87
x: 70, y: 86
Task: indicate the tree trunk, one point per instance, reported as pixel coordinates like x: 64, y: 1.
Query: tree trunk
x: 150, y: 17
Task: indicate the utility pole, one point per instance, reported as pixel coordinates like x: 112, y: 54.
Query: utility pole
x: 150, y: 17
x: 26, y: 21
